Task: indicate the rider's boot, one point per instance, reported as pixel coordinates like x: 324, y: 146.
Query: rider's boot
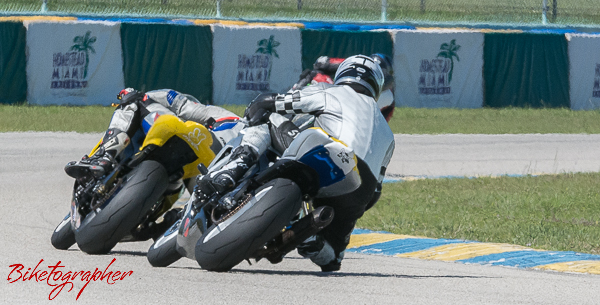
x: 226, y: 178
x: 321, y: 253
x: 102, y: 161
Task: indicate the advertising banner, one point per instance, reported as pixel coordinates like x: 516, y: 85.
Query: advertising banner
x: 438, y: 69
x: 584, y: 74
x: 249, y: 60
x: 73, y: 63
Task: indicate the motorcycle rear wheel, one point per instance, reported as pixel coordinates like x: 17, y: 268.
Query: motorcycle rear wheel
x: 63, y: 236
x: 228, y: 243
x: 140, y: 191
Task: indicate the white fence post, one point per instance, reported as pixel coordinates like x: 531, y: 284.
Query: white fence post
x: 218, y: 8
x: 544, y: 12
x: 383, y: 10
x: 45, y: 6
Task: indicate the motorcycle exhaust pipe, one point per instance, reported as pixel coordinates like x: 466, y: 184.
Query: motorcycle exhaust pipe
x: 318, y: 219
x: 308, y: 226
x: 298, y: 233
x: 322, y: 217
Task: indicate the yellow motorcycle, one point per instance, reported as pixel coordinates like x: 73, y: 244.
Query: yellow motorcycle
x: 133, y: 201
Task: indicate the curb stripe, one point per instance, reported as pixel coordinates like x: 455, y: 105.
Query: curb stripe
x: 471, y: 252
x: 362, y: 240
x: 592, y: 267
x: 529, y: 258
x: 405, y: 245
x: 454, y: 252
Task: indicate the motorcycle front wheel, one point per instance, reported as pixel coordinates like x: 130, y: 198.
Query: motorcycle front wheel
x: 63, y: 236
x: 229, y: 242
x: 101, y: 230
x: 163, y: 251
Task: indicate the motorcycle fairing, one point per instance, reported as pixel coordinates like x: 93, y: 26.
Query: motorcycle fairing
x: 190, y: 229
x: 225, y: 126
x: 170, y: 233
x: 334, y: 162
x: 321, y: 156
x: 319, y: 159
x: 149, y: 120
x: 195, y: 135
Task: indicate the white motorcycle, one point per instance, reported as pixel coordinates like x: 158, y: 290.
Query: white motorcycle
x: 269, y: 213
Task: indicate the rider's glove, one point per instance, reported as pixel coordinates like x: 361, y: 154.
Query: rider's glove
x: 327, y: 65
x: 129, y: 95
x: 321, y: 63
x: 260, y: 108
x: 305, y: 78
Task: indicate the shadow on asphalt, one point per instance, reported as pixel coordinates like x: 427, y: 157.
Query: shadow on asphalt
x: 339, y: 274
x: 119, y: 252
x: 129, y: 253
x: 312, y: 273
x: 351, y: 274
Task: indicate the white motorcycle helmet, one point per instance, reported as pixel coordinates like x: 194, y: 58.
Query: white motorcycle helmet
x: 361, y: 73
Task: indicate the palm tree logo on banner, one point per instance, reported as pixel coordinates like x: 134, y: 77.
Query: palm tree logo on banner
x: 449, y: 51
x: 84, y: 44
x: 267, y: 47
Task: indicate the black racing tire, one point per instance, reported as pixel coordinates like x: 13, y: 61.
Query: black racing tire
x: 163, y: 251
x: 63, y: 236
x: 224, y: 246
x: 100, y: 231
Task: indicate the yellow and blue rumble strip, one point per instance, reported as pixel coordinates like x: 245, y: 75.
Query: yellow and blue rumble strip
x: 471, y: 252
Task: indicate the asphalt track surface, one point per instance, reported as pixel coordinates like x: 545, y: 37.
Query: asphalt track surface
x: 35, y: 194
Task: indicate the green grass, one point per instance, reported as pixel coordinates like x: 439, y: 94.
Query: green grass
x: 405, y: 120
x: 465, y: 11
x: 494, y: 121
x: 545, y: 212
x: 61, y: 118
x: 54, y: 118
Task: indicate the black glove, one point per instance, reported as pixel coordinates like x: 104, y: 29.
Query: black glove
x: 321, y: 63
x: 130, y: 95
x: 327, y: 65
x: 260, y: 108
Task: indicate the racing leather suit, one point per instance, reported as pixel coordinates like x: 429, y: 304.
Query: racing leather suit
x: 129, y: 117
x: 133, y: 118
x: 352, y: 118
x: 323, y: 71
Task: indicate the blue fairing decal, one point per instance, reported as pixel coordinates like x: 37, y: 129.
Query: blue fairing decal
x: 225, y: 126
x: 318, y: 158
x: 149, y: 121
x: 146, y: 126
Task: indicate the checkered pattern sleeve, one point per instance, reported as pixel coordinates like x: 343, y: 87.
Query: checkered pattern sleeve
x: 297, y: 102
